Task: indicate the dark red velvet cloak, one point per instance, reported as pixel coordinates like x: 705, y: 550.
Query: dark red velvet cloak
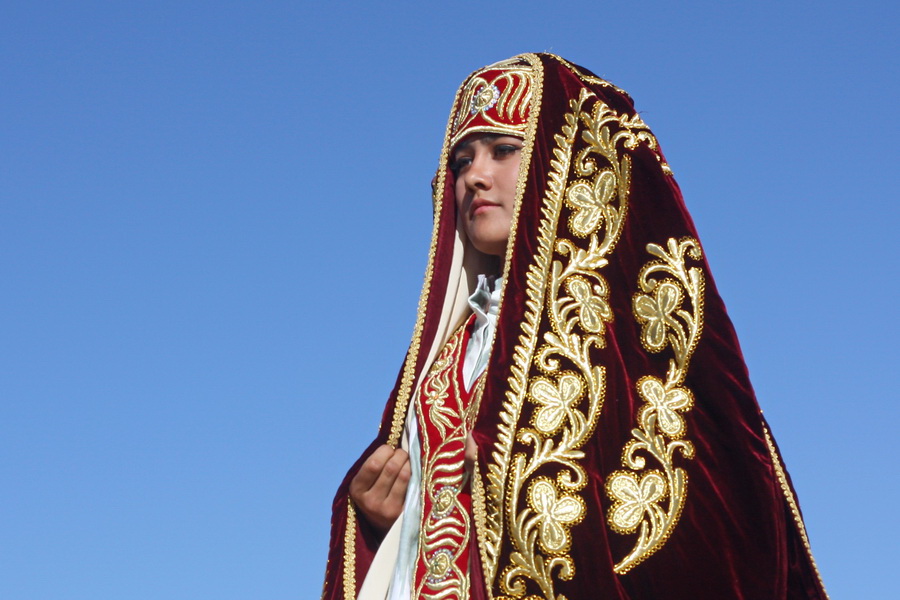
x: 622, y: 453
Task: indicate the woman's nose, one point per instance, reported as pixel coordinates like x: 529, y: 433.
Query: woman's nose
x: 478, y: 175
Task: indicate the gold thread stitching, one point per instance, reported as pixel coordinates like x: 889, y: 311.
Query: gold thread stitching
x: 514, y: 98
x: 497, y: 502
x: 599, y: 81
x: 481, y: 521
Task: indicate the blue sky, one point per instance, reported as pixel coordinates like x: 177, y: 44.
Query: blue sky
x: 213, y: 228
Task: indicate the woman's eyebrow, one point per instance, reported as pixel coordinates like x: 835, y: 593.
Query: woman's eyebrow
x: 485, y: 137
x: 460, y: 147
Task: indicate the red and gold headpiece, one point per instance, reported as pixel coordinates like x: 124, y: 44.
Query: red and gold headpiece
x: 495, y: 99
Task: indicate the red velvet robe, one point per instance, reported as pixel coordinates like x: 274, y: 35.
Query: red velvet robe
x: 622, y: 453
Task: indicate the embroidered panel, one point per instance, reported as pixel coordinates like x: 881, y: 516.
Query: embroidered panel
x: 534, y: 475
x: 442, y: 406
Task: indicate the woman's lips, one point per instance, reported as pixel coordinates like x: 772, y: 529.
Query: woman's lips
x: 480, y: 205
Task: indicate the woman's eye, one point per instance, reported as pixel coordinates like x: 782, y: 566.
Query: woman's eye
x: 506, y: 149
x: 460, y: 162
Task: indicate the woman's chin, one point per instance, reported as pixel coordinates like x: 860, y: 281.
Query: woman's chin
x: 489, y: 241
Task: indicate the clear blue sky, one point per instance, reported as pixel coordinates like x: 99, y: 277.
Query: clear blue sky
x: 213, y: 228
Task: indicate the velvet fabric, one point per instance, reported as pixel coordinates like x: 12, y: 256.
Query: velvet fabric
x: 622, y: 453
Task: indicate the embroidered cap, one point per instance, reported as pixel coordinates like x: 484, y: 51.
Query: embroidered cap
x: 495, y: 99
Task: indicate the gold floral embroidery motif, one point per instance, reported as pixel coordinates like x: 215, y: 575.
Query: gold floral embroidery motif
x: 539, y: 510
x: 649, y: 500
x: 557, y: 401
x: 436, y: 387
x: 554, y: 513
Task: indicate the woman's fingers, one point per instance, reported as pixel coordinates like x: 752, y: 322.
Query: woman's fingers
x: 397, y: 495
x: 379, y: 488
x: 371, y: 470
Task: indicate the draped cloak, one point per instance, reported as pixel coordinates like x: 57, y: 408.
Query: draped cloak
x: 621, y: 450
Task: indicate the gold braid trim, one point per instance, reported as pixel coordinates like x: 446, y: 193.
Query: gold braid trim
x: 350, y: 553
x: 479, y: 502
x: 792, y: 502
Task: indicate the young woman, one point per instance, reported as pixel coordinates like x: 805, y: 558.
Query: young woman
x: 573, y: 418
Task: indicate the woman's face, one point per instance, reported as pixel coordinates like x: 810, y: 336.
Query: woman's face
x: 487, y: 170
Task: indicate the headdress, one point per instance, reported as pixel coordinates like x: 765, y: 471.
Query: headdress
x: 495, y: 99
x: 621, y: 450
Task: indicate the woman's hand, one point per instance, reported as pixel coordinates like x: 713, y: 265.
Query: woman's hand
x: 379, y: 488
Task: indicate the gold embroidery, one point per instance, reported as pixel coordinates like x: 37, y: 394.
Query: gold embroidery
x: 589, y: 202
x: 638, y: 495
x: 436, y: 387
x: 498, y: 466
x: 479, y: 502
x: 557, y: 401
x: 567, y: 403
x: 439, y: 566
x: 598, y: 81
x: 350, y: 553
x: 554, y: 514
x: 481, y: 95
x: 446, y: 528
x: 792, y: 502
x: 593, y: 309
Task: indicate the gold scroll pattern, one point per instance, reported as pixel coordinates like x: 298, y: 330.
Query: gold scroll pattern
x: 446, y: 527
x: 649, y: 499
x: 534, y: 491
